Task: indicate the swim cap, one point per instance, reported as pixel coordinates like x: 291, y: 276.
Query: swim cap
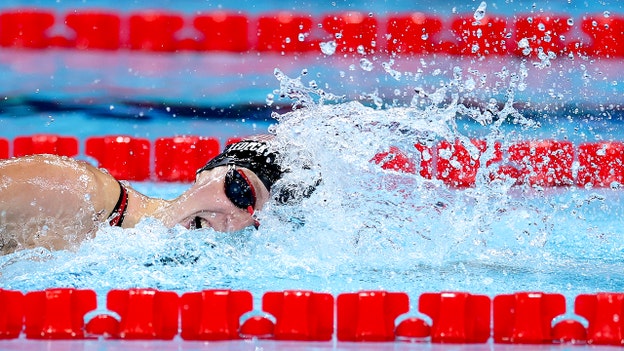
x: 254, y: 155
x: 258, y: 157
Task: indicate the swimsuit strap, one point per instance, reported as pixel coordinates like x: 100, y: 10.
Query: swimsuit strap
x: 115, y: 219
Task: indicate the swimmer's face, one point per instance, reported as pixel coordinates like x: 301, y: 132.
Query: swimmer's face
x: 206, y: 205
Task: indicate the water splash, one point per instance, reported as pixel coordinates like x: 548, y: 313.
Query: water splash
x: 365, y: 227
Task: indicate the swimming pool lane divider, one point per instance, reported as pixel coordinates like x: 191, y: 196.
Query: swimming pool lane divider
x: 364, y: 316
x: 283, y: 32
x: 547, y: 163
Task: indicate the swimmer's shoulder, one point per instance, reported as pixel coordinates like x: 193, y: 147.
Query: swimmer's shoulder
x: 98, y: 185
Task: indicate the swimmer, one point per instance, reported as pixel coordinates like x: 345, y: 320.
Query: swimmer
x: 57, y: 202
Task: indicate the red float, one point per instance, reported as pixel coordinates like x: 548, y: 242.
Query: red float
x: 395, y: 159
x: 526, y: 317
x: 11, y: 313
x: 145, y: 313
x: 604, y: 313
x: 457, y: 317
x: 154, y: 31
x: 301, y: 315
x: 223, y: 31
x: 544, y: 163
x: 123, y: 156
x: 57, y: 313
x: 97, y: 30
x: 539, y: 34
x: 601, y: 164
x: 177, y: 159
x: 45, y: 144
x: 369, y: 315
x: 286, y: 32
x: 414, y: 33
x: 484, y: 37
x: 4, y: 148
x: 213, y: 314
x: 353, y: 32
x: 457, y: 167
x: 25, y: 28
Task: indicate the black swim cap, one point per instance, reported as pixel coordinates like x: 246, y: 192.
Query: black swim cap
x: 258, y: 157
x: 254, y: 155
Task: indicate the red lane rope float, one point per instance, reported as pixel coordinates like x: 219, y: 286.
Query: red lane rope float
x: 455, y: 317
x: 547, y: 163
x: 523, y: 35
x: 123, y: 156
x: 4, y: 148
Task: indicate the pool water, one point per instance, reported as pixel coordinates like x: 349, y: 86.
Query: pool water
x: 364, y: 228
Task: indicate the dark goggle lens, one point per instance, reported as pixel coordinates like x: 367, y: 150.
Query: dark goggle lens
x: 238, y: 190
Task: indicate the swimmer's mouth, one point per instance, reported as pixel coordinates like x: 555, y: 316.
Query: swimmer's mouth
x: 199, y: 223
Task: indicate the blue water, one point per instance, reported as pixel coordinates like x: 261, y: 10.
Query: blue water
x: 363, y: 228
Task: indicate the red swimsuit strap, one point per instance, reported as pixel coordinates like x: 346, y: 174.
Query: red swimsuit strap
x: 115, y: 219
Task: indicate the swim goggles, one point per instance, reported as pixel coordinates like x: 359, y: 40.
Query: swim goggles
x: 240, y: 191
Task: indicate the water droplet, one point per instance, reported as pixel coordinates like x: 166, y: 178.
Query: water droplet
x: 523, y: 43
x: 366, y: 65
x: 301, y: 37
x: 541, y: 27
x: 475, y: 48
x: 480, y: 12
x: 270, y: 98
x: 606, y: 14
x: 424, y: 36
x: 328, y: 48
x: 360, y: 50
x: 287, y: 40
x: 522, y: 86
